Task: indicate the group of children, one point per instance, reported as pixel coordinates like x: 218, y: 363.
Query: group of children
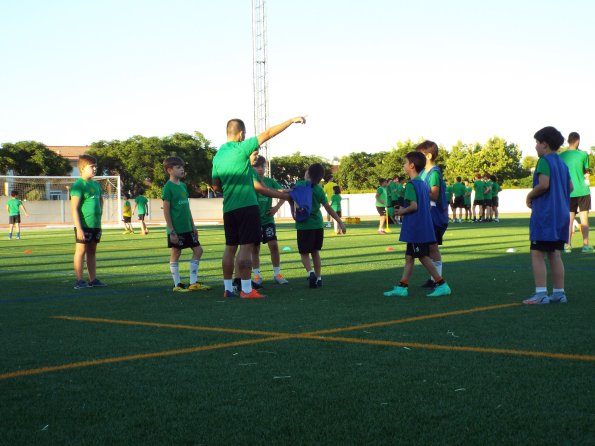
x: 141, y: 203
x: 238, y: 171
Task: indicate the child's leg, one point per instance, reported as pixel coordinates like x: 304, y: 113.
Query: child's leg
x: 557, y: 266
x: 306, y: 261
x: 18, y: 226
x: 275, y: 256
x: 10, y: 226
x: 317, y: 263
x: 79, y: 259
x: 256, y: 258
x: 539, y: 269
x: 174, y: 266
x: 336, y: 226
x: 91, y: 261
x: 436, y: 257
x: 143, y: 227
x: 584, y: 226
x: 408, y: 269
x: 429, y: 265
x: 381, y: 223
x: 196, y: 255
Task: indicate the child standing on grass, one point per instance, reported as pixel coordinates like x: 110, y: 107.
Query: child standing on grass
x: 381, y: 203
x: 181, y: 231
x: 13, y: 206
x: 86, y: 204
x: 549, y: 201
x: 417, y: 229
x: 310, y: 233
x: 141, y: 202
x: 335, y: 203
x: 127, y: 215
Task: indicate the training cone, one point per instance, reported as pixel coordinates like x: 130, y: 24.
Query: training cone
x: 286, y: 248
x: 27, y: 251
x: 390, y: 248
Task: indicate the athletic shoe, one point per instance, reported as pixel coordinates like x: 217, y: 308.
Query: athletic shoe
x: 440, y: 290
x: 558, y: 298
x: 429, y: 284
x: 10, y: 237
x: 319, y: 283
x: 587, y: 248
x: 18, y: 237
x: 237, y: 285
x: 198, y: 286
x: 230, y: 294
x: 125, y: 232
x: 252, y: 295
x: 97, y: 283
x: 329, y: 224
x: 398, y: 291
x: 312, y: 280
x: 257, y: 279
x: 497, y: 220
x: 180, y: 288
x: 80, y: 284
x: 537, y: 299
x: 281, y: 280
x: 567, y: 248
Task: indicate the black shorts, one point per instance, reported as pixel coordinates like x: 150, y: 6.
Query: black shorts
x: 141, y: 217
x: 495, y: 202
x: 268, y: 232
x: 580, y: 203
x: 381, y: 211
x: 185, y: 240
x: 92, y: 235
x: 242, y: 226
x: 14, y: 219
x: 459, y: 202
x: 309, y: 240
x: 126, y: 219
x: 547, y: 246
x: 439, y: 232
x: 418, y: 250
x: 400, y: 202
x: 468, y: 206
x: 478, y: 202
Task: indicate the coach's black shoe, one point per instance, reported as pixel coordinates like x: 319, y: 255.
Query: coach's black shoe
x: 312, y: 280
x: 429, y: 284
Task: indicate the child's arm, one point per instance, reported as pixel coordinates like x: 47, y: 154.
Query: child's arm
x: 75, y: 202
x: 540, y: 188
x: 262, y: 189
x: 275, y: 209
x: 24, y: 209
x: 168, y: 223
x: 192, y: 222
x: 408, y: 210
x: 333, y: 214
x: 434, y: 194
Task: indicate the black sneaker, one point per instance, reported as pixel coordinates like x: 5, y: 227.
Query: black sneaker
x: 429, y: 284
x: 319, y: 283
x: 80, y: 284
x: 96, y: 283
x: 312, y: 280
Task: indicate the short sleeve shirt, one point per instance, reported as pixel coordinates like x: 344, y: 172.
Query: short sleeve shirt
x: 392, y: 191
x: 89, y: 209
x: 231, y: 166
x: 577, y: 162
x: 127, y: 211
x: 478, y: 186
x: 458, y: 189
x: 328, y: 188
x: 179, y: 206
x: 381, y: 200
x: 265, y: 203
x: 542, y: 167
x: 13, y: 206
x: 141, y: 203
x: 487, y: 194
x: 315, y: 219
x: 433, y: 180
x: 410, y: 194
x: 336, y: 202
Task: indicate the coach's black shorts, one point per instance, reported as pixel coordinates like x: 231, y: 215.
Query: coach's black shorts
x: 439, y: 232
x: 309, y: 240
x: 92, y: 235
x: 14, y: 219
x: 185, y: 240
x: 242, y: 226
x: 580, y: 203
x: 547, y: 246
x: 141, y: 217
x: 126, y: 219
x: 418, y: 250
x: 381, y: 211
x: 495, y: 202
x: 268, y: 232
x: 459, y: 202
x: 478, y: 202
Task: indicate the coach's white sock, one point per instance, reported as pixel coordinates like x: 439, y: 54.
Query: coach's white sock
x: 276, y: 270
x: 228, y: 284
x: 175, y: 272
x: 246, y: 286
x: 540, y: 290
x: 438, y: 266
x: 193, y: 271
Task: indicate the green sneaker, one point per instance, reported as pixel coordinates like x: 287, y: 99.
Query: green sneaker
x: 567, y: 248
x: 398, y: 291
x: 440, y: 290
x: 587, y: 248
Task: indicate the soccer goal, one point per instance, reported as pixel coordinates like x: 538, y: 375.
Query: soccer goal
x: 47, y: 199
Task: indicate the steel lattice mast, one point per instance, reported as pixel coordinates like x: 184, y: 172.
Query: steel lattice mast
x: 259, y: 52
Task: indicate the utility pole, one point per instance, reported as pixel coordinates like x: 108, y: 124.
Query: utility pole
x: 259, y: 73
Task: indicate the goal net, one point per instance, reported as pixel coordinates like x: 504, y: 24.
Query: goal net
x: 47, y: 199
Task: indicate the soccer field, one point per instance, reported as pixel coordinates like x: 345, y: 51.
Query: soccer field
x: 134, y: 363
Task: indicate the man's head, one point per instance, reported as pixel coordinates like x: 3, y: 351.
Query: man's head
x: 550, y: 137
x: 315, y: 173
x: 174, y: 166
x: 236, y: 130
x: 87, y: 165
x: 415, y: 162
x: 382, y: 181
x: 574, y: 139
x: 429, y: 149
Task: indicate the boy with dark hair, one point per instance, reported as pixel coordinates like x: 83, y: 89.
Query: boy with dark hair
x: 580, y: 198
x: 13, y: 207
x: 86, y: 204
x: 418, y: 229
x: 496, y: 188
x: 335, y: 202
x: 549, y: 201
x: 127, y: 215
x: 233, y: 174
x: 381, y: 203
x: 438, y: 203
x: 468, y: 191
x: 310, y: 233
x: 141, y: 202
x: 459, y: 190
x: 267, y: 225
x: 478, y: 187
x: 487, y: 197
x: 180, y: 227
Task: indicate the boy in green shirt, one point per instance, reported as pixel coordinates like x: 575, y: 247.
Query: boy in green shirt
x: 328, y: 187
x: 478, y: 187
x: 335, y: 203
x: 86, y: 204
x: 496, y: 188
x: 13, y: 206
x: 487, y: 197
x: 458, y: 190
x: 468, y: 191
x: 141, y: 202
x: 267, y: 226
x: 181, y: 231
x: 381, y: 204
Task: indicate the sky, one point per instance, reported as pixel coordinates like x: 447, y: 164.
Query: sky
x: 366, y: 73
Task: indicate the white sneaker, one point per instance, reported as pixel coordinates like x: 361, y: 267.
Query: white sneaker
x: 281, y: 280
x: 537, y: 299
x: 329, y: 224
x: 558, y: 298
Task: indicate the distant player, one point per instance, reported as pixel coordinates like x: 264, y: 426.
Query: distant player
x: 381, y: 203
x: 392, y: 196
x: 468, y: 192
x: 496, y: 188
x: 140, y: 202
x: 86, y: 204
x: 127, y: 215
x: 478, y: 187
x: 180, y: 227
x: 487, y: 197
x: 459, y: 191
x: 328, y: 187
x: 13, y: 207
x: 449, y: 199
x: 335, y: 203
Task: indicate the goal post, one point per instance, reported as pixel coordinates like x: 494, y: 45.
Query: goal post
x: 47, y: 198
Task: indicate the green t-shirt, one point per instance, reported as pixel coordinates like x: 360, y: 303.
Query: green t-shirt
x: 433, y: 180
x: 381, y: 201
x: 315, y: 219
x: 495, y: 189
x: 90, y: 205
x: 231, y: 166
x: 577, y: 162
x: 141, y: 204
x: 468, y: 191
x: 179, y: 206
x: 542, y: 167
x: 328, y: 188
x: 14, y: 205
x: 458, y: 189
x: 336, y: 202
x: 264, y: 202
x: 478, y: 186
x: 449, y: 193
x: 392, y: 191
x: 487, y: 194
x: 410, y: 194
x: 400, y: 190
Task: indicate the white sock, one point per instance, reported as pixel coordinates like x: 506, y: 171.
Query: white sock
x: 438, y: 266
x: 558, y: 290
x: 540, y: 290
x: 256, y: 271
x: 228, y: 284
x: 193, y: 271
x: 175, y: 272
x: 310, y: 272
x: 276, y: 270
x: 247, y: 286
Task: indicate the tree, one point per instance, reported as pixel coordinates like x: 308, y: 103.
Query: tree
x: 357, y: 171
x: 287, y: 170
x: 32, y: 158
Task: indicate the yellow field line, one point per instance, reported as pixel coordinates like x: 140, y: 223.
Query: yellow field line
x: 94, y: 362
x: 500, y: 351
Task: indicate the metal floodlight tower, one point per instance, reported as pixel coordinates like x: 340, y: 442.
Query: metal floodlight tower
x: 259, y: 73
